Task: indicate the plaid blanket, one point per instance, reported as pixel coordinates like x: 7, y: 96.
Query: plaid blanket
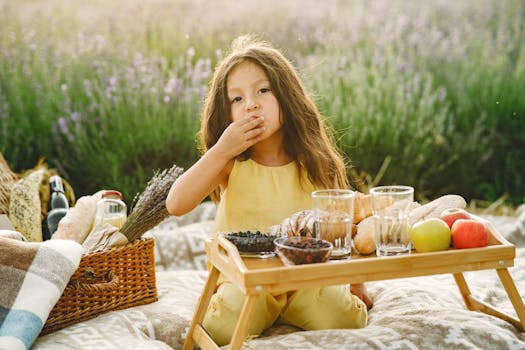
x: 32, y: 278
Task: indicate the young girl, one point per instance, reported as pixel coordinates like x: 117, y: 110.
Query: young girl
x: 265, y: 150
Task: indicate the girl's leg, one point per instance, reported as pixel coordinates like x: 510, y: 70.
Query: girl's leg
x: 225, y: 308
x: 332, y: 307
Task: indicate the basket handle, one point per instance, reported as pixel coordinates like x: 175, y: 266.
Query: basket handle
x: 109, y: 281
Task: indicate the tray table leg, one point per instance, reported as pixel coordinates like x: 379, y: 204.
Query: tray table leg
x: 475, y: 304
x: 242, y: 324
x: 464, y: 290
x: 202, y: 306
x: 514, y: 296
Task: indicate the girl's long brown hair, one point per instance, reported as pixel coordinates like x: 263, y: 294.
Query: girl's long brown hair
x: 307, y: 140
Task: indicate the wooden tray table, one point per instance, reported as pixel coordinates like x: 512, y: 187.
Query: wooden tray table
x: 255, y: 276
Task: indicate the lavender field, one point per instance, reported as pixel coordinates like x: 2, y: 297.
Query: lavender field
x: 428, y: 94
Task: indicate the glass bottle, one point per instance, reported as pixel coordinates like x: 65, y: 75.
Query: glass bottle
x: 59, y: 205
x: 111, y: 209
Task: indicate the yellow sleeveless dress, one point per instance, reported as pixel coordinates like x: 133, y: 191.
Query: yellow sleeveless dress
x: 259, y: 196
x: 256, y: 198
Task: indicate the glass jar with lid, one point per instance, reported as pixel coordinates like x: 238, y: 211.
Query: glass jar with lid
x: 111, y: 209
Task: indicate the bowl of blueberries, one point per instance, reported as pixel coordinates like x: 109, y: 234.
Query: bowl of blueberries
x: 252, y: 244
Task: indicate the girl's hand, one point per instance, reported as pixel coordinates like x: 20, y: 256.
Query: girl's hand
x: 239, y: 136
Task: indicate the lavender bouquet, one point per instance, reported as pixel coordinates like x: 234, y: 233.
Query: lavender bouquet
x: 150, y: 207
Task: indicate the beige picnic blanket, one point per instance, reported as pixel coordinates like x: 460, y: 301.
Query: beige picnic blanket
x: 412, y: 313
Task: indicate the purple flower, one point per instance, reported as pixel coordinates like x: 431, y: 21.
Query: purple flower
x: 62, y: 125
x: 75, y: 116
x: 87, y: 88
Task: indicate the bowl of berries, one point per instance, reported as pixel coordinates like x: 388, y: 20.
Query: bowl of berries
x: 252, y: 243
x: 297, y: 250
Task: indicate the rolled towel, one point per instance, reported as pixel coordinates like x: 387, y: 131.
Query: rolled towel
x: 78, y: 222
x: 434, y: 208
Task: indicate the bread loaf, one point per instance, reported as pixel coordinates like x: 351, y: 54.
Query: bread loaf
x: 24, y: 206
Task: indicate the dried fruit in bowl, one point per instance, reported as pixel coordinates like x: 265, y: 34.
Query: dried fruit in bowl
x: 298, y: 250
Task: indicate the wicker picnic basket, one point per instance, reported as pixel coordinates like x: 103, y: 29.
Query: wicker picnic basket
x: 113, y: 279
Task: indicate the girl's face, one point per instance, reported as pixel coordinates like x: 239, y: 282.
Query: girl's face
x: 249, y: 93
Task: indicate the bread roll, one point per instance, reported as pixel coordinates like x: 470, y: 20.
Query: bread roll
x: 363, y: 206
x: 364, y: 240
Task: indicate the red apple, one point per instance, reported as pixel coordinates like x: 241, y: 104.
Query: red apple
x: 450, y: 215
x: 468, y: 233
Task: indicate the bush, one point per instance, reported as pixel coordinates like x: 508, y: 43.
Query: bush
x: 393, y: 124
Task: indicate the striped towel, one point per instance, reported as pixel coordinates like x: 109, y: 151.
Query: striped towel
x: 32, y: 278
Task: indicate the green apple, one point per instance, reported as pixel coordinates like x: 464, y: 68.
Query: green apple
x: 430, y: 235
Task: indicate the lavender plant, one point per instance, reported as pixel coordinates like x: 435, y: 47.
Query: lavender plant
x: 140, y: 117
x: 434, y: 87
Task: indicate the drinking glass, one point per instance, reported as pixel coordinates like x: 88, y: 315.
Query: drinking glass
x: 333, y: 213
x: 391, y: 210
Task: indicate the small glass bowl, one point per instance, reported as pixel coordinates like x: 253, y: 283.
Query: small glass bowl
x: 299, y: 250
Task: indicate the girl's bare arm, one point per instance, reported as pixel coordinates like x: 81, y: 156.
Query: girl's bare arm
x: 212, y: 169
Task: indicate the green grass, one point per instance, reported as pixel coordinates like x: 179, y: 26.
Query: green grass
x: 427, y: 94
